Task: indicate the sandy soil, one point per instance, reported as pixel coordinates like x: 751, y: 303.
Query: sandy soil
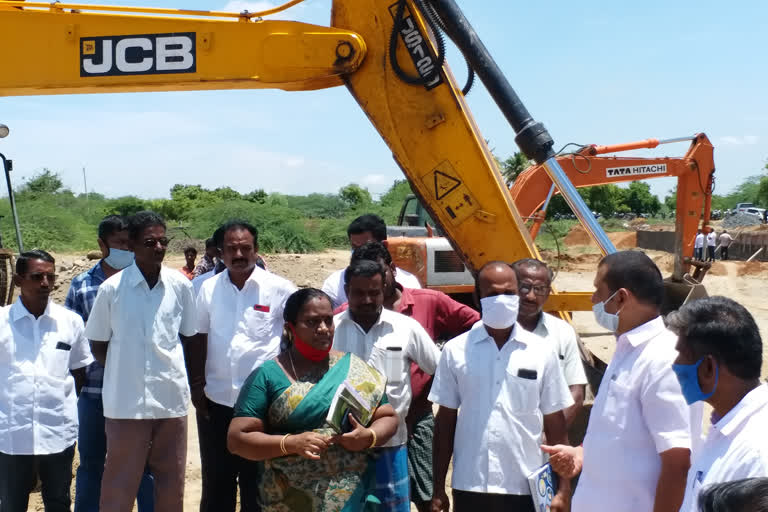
x: 742, y: 282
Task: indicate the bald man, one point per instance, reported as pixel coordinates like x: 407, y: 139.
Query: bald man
x: 499, y: 388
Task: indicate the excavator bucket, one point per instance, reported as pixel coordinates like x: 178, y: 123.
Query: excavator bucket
x: 678, y: 293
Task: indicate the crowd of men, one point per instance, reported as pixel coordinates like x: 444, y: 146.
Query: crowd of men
x: 709, y: 240
x: 113, y: 372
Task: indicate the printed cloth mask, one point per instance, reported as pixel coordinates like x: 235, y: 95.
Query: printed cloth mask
x: 604, y: 319
x: 500, y: 311
x: 688, y: 376
x: 307, y: 350
x: 118, y: 258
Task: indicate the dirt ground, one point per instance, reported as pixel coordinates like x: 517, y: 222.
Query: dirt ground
x: 737, y: 280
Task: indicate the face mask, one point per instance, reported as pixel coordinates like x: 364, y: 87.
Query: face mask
x: 500, y: 311
x: 688, y: 376
x: 608, y: 321
x: 118, y: 258
x: 307, y: 350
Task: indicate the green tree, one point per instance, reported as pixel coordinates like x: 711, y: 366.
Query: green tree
x: 396, y: 194
x: 639, y: 199
x: 603, y: 198
x: 42, y: 183
x: 513, y: 166
x: 126, y: 205
x: 355, y: 196
x: 256, y: 196
x: 670, y: 200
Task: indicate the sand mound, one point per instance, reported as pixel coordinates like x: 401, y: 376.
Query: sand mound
x: 621, y: 239
x: 577, y: 236
x: 751, y: 268
x: 718, y: 269
x: 624, y: 240
x: 665, y: 263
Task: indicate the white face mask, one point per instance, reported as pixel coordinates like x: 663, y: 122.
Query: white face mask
x: 500, y: 311
x: 606, y: 320
x: 118, y: 259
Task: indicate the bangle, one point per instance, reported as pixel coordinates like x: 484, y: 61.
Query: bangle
x: 375, y: 440
x: 282, y: 444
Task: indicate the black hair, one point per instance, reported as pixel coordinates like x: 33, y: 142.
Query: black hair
x: 190, y: 249
x: 636, y: 272
x: 531, y: 263
x: 371, y: 223
x: 745, y: 495
x: 218, y: 235
x: 22, y: 262
x: 211, y: 242
x: 112, y: 224
x: 140, y: 221
x: 363, y: 268
x: 373, y: 251
x: 723, y: 328
x: 293, y: 307
x: 493, y: 263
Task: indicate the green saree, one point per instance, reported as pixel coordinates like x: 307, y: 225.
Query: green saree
x: 341, y: 481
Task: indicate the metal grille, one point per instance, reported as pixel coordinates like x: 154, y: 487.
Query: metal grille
x: 448, y: 261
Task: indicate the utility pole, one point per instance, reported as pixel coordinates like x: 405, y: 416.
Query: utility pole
x: 85, y: 186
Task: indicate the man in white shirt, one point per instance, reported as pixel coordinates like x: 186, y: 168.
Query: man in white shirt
x: 41, y: 346
x: 141, y: 320
x: 240, y: 320
x: 534, y: 283
x: 711, y: 242
x: 698, y: 246
x: 636, y: 452
x: 720, y: 353
x: 365, y: 228
x: 725, y: 242
x: 499, y: 388
x: 390, y: 342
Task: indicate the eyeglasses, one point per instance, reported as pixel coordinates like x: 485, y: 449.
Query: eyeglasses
x: 151, y: 242
x: 38, y: 276
x: 541, y: 291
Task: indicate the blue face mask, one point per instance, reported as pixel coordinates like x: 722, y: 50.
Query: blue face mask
x: 688, y: 376
x: 118, y: 259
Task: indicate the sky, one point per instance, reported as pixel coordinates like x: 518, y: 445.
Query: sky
x: 601, y: 72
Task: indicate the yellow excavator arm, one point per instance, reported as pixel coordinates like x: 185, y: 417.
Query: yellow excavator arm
x: 66, y: 49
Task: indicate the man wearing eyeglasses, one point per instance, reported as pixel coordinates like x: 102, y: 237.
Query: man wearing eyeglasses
x: 42, y: 347
x: 534, y: 280
x: 139, y: 325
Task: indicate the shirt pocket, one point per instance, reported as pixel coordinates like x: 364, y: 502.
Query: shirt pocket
x: 617, y: 403
x: 56, y: 360
x: 522, y: 393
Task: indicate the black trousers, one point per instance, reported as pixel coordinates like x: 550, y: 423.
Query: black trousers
x: 723, y: 253
x: 465, y: 501
x: 18, y: 475
x: 222, y: 471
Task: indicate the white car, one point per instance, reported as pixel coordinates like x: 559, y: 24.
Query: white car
x: 756, y: 212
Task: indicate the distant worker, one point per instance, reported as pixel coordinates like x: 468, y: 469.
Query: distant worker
x: 534, y: 284
x: 139, y: 324
x: 746, y: 495
x: 190, y: 254
x: 208, y: 262
x: 43, y: 354
x: 725, y: 242
x: 636, y: 452
x: 499, y: 388
x: 388, y: 341
x: 698, y: 246
x: 719, y: 356
x: 240, y: 322
x: 443, y: 318
x: 711, y: 243
x: 115, y: 245
x: 364, y: 229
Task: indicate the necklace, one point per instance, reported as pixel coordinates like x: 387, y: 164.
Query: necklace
x: 290, y: 358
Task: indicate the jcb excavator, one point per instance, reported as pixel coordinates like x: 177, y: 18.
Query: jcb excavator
x: 390, y: 54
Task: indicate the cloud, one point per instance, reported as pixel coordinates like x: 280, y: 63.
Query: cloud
x: 375, y: 180
x: 736, y: 140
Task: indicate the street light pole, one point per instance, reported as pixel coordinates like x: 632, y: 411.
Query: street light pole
x: 8, y: 167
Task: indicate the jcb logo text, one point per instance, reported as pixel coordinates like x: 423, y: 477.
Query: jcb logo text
x: 143, y: 54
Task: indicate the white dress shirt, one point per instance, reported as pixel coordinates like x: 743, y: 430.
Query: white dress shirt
x: 391, y: 330
x: 198, y: 281
x: 502, y: 395
x: 334, y: 285
x: 38, y: 406
x: 735, y: 448
x: 711, y: 239
x: 639, y: 412
x: 243, y: 327
x: 699, y: 242
x: 562, y: 337
x: 145, y: 376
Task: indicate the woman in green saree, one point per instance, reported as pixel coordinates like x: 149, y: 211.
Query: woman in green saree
x: 280, y: 418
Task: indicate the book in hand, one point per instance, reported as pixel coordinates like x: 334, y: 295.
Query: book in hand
x: 347, y: 401
x: 543, y: 484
